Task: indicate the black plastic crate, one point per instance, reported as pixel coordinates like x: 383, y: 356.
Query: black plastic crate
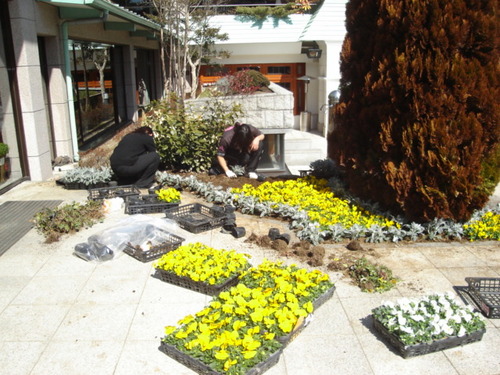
x: 202, y: 368
x: 113, y: 192
x: 197, y: 286
x: 485, y: 291
x: 168, y: 243
x: 146, y: 204
x: 80, y: 186
x: 196, y: 217
x: 407, y: 351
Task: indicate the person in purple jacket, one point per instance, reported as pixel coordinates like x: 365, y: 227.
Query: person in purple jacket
x: 240, y: 145
x: 135, y: 160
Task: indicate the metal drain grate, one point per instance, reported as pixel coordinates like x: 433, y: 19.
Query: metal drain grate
x: 16, y: 220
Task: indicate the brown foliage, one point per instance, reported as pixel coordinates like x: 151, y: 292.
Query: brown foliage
x: 419, y: 109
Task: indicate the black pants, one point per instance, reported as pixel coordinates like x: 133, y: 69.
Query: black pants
x: 141, y: 174
x: 248, y: 160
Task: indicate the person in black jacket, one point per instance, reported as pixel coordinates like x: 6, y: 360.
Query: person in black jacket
x: 240, y: 145
x: 135, y: 160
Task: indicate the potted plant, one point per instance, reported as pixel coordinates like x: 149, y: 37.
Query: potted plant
x: 4, y: 150
x: 85, y: 178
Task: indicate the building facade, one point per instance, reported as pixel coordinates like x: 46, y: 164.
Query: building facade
x: 69, y: 72
x: 300, y: 52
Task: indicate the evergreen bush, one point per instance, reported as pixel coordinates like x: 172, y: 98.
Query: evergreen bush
x: 417, y: 123
x: 186, y: 140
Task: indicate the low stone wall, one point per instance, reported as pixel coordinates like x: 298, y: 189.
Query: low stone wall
x: 265, y: 111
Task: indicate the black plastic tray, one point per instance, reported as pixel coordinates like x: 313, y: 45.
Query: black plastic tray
x: 485, y: 291
x: 197, y: 218
x: 407, y: 351
x: 113, y: 192
x: 202, y: 368
x: 171, y: 242
x: 146, y: 204
x: 197, y: 286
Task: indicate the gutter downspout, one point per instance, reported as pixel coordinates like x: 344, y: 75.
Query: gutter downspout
x: 67, y: 73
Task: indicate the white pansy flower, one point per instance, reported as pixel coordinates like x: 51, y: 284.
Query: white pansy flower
x: 418, y: 318
x: 467, y: 317
x: 401, y: 319
x: 448, y: 330
x: 408, y: 330
x: 462, y: 331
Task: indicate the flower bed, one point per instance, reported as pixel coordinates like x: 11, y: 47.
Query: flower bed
x: 426, y: 325
x: 339, y: 218
x: 242, y: 326
x: 313, y: 195
x: 201, y: 268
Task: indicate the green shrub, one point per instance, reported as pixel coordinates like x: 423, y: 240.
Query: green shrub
x: 257, y: 78
x: 4, y: 149
x: 187, y: 141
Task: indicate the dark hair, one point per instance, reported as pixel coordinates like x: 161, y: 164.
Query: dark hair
x: 144, y: 130
x: 242, y: 137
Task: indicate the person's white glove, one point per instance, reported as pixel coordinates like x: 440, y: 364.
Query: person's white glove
x: 230, y: 174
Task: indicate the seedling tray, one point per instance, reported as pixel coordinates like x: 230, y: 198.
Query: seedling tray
x: 113, y: 192
x: 196, y: 218
x: 202, y: 368
x: 146, y: 204
x: 407, y: 351
x: 197, y: 286
x: 485, y: 292
x: 80, y: 186
x: 169, y: 242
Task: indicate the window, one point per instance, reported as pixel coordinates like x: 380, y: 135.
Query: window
x: 92, y: 88
x: 278, y: 70
x: 273, y: 158
x: 256, y: 68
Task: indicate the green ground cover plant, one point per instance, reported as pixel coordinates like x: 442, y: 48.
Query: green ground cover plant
x: 352, y: 222
x: 69, y: 218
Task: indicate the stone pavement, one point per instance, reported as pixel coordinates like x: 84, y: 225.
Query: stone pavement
x: 60, y: 315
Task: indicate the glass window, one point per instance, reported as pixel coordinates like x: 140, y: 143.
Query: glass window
x: 256, y: 68
x: 92, y: 88
x: 273, y: 157
x: 278, y: 70
x: 215, y: 70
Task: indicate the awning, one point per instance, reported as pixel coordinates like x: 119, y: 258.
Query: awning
x: 118, y: 17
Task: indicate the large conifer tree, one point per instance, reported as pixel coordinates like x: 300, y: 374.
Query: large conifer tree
x: 418, y: 114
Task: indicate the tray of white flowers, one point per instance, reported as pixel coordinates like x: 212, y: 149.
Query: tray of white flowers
x: 485, y: 292
x: 433, y: 323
